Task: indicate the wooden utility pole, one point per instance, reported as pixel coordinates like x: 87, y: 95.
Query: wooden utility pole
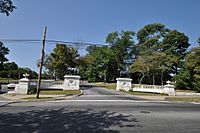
x: 41, y: 62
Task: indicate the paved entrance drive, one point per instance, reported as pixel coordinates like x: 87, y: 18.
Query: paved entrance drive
x: 92, y: 92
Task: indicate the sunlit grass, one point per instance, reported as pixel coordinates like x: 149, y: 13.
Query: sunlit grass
x: 60, y: 92
x: 106, y: 85
x: 34, y: 98
x: 144, y: 93
x: 184, y: 98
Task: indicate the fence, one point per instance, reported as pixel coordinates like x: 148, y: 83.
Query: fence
x: 48, y: 84
x: 148, y: 88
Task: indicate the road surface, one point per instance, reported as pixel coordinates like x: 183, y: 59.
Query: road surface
x: 100, y: 111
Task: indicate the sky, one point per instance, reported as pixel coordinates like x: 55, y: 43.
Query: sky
x: 90, y: 21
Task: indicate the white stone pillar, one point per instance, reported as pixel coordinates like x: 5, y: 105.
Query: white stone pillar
x: 169, y: 89
x: 124, y: 84
x: 23, y: 86
x: 71, y: 82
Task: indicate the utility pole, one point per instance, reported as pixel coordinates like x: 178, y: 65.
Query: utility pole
x: 41, y: 62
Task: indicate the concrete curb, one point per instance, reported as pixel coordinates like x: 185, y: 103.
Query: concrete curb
x: 54, y: 98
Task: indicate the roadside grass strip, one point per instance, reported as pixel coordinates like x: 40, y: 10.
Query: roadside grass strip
x: 60, y: 92
x: 34, y: 98
x: 106, y: 85
x: 183, y: 99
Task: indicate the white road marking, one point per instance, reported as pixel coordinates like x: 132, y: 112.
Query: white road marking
x: 135, y: 101
x: 194, y: 103
x: 6, y: 101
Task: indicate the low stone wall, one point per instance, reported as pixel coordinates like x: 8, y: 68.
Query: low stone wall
x: 125, y: 85
x: 71, y: 82
x: 148, y: 88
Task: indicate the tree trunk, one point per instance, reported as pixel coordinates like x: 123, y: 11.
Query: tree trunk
x: 162, y: 78
x: 143, y: 75
x: 153, y: 79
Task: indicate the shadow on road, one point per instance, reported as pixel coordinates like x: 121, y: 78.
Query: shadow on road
x: 87, y: 86
x: 62, y: 120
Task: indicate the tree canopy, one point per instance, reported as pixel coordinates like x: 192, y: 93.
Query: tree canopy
x: 3, y: 52
x: 60, y: 60
x: 6, y: 7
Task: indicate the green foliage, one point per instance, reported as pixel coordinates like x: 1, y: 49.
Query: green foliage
x: 6, y: 7
x: 17, y: 73
x: 3, y: 52
x: 106, y: 62
x: 58, y: 62
x: 183, y: 80
x: 162, y: 50
x: 10, y: 66
x: 189, y: 77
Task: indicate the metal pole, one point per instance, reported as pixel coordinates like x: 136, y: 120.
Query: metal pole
x: 41, y: 63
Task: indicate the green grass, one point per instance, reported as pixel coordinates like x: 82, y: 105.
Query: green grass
x: 189, y: 91
x: 7, y: 81
x: 106, y: 85
x: 60, y: 92
x: 183, y: 98
x: 143, y: 93
x: 34, y: 98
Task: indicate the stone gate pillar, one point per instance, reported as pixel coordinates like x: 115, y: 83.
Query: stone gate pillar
x: 71, y: 82
x: 23, y: 86
x: 169, y: 89
x: 124, y: 84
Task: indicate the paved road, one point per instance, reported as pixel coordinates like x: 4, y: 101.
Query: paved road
x: 92, y: 92
x: 114, y: 113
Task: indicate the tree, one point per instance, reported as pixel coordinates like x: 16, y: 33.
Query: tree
x: 189, y: 76
x: 48, y: 71
x: 141, y: 66
x: 84, y: 63
x: 62, y: 58
x: 156, y: 31
x: 102, y: 67
x: 3, y: 52
x: 6, y: 7
x: 10, y: 66
x: 163, y: 48
x: 198, y: 41
x: 176, y: 43
x: 123, y: 46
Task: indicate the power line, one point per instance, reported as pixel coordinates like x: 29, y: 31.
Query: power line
x: 51, y: 42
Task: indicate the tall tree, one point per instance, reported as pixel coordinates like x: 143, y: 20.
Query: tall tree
x: 10, y: 66
x: 62, y: 58
x: 6, y: 7
x: 176, y: 43
x: 3, y: 52
x: 198, y: 41
x: 103, y: 64
x: 164, y: 48
x: 189, y: 76
x: 123, y: 46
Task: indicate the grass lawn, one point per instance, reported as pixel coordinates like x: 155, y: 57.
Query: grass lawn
x: 183, y: 98
x: 106, y: 85
x: 60, y: 92
x: 188, y: 91
x: 7, y: 81
x: 34, y: 98
x: 144, y: 93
